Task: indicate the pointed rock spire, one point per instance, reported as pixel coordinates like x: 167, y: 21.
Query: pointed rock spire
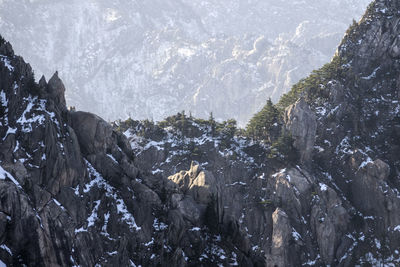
x: 56, y: 90
x: 42, y: 82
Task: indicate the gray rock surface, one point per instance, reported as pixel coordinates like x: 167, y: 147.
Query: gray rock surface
x: 280, y: 239
x: 301, y: 124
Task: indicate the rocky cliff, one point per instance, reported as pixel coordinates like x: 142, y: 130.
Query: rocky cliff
x: 74, y: 191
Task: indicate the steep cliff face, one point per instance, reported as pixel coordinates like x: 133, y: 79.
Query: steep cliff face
x: 187, y: 192
x: 361, y: 118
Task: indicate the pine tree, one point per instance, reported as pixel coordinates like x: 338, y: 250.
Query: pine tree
x: 183, y: 123
x: 284, y: 148
x: 261, y: 123
x: 212, y: 123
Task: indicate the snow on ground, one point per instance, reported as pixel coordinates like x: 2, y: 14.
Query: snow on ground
x: 93, y: 217
x: 365, y: 163
x: 282, y: 171
x: 159, y: 226
x: 296, y: 236
x: 111, y: 192
x: 4, y: 174
x: 9, y: 131
x: 58, y: 204
x: 6, y: 249
x: 323, y: 186
x: 6, y: 63
x: 177, y: 145
x: 3, y: 99
x: 112, y: 158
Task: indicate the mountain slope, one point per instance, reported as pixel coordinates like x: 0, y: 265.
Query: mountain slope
x: 188, y: 192
x: 156, y: 58
x: 347, y: 130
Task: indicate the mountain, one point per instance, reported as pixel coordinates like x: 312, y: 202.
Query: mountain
x: 155, y: 58
x: 323, y: 189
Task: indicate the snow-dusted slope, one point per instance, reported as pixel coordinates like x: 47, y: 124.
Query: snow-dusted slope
x: 150, y: 59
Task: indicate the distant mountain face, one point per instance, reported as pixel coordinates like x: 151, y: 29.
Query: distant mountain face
x: 150, y: 59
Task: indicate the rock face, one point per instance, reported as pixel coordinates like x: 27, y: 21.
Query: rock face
x: 280, y: 239
x: 56, y: 90
x: 302, y: 125
x: 186, y: 192
x: 201, y: 185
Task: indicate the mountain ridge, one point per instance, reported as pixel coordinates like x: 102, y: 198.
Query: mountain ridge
x: 160, y: 58
x: 187, y: 191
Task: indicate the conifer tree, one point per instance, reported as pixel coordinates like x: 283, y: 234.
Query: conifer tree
x: 261, y: 123
x: 212, y: 123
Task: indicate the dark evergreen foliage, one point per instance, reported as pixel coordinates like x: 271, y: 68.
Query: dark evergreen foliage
x: 2, y: 40
x: 284, y: 149
x: 33, y: 87
x: 261, y: 124
x: 313, y: 87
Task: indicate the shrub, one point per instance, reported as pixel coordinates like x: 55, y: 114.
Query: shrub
x: 284, y: 149
x: 33, y: 87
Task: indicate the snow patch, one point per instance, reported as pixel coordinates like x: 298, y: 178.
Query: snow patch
x: 296, y: 236
x: 58, y: 203
x: 112, y: 158
x: 10, y: 131
x: 377, y: 243
x: 4, y: 174
x: 6, y: 62
x: 93, y: 217
x: 323, y: 186
x: 372, y: 75
x: 278, y: 173
x: 98, y: 180
x: 6, y: 249
x: 365, y: 163
x: 3, y: 99
x: 159, y: 226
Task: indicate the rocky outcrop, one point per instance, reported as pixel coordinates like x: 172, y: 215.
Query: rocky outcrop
x: 329, y: 221
x: 56, y: 90
x: 200, y: 184
x: 280, y: 239
x: 373, y: 195
x: 301, y: 123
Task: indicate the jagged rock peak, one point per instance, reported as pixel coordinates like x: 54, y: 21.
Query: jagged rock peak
x: 42, y: 81
x: 56, y: 90
x: 377, y: 28
x: 5, y: 48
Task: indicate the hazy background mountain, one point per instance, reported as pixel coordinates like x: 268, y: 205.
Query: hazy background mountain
x: 153, y: 58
